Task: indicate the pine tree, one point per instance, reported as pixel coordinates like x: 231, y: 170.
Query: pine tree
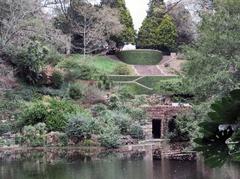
x: 158, y: 30
x: 128, y: 34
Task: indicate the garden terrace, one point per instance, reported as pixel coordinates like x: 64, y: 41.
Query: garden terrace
x: 140, y: 57
x: 144, y: 84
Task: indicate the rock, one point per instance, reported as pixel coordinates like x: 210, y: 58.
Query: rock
x: 56, y: 139
x: 127, y: 140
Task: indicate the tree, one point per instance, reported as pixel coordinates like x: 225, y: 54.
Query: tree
x: 166, y: 34
x: 90, y: 26
x: 128, y: 33
x: 158, y: 30
x: 213, y: 67
x: 220, y: 134
x: 23, y: 20
x: 186, y: 30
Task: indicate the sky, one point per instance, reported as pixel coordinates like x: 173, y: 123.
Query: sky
x: 138, y: 10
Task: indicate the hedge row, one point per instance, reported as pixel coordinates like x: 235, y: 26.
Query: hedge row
x: 140, y: 57
x: 159, y: 84
x: 123, y: 77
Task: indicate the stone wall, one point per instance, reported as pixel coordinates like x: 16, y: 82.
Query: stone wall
x: 164, y: 113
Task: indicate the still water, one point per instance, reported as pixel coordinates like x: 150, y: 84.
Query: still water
x: 75, y: 165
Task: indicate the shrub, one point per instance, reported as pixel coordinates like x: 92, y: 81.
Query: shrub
x: 126, y: 92
x: 57, y: 79
x: 110, y: 137
x: 171, y: 86
x: 80, y: 127
x: 136, y: 131
x: 53, y: 57
x: 98, y: 109
x: 117, y: 118
x: 5, y: 127
x: 140, y: 57
x: 114, y: 102
x: 92, y: 95
x: 104, y: 82
x: 87, y: 72
x: 122, y: 69
x: 139, y: 115
x: 51, y: 111
x: 76, y: 70
x: 33, y: 136
x: 76, y: 91
x: 31, y: 61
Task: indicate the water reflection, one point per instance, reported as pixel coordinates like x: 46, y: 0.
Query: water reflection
x: 75, y: 165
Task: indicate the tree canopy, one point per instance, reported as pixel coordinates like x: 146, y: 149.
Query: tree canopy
x: 128, y: 33
x: 213, y: 67
x: 158, y: 30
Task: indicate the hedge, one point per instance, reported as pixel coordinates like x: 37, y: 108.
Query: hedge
x: 152, y: 83
x: 140, y: 57
x: 123, y: 77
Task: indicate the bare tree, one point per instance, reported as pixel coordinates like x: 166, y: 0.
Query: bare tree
x: 23, y: 20
x: 89, y: 25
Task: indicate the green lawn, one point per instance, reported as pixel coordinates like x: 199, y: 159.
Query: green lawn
x: 101, y: 63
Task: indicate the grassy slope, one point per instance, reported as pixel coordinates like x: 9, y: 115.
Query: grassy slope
x: 101, y: 63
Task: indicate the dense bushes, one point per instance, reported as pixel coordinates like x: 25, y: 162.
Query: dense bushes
x: 80, y: 127
x: 122, y: 69
x: 33, y: 136
x: 136, y: 131
x: 51, y: 111
x: 30, y: 62
x: 172, y: 86
x: 76, y: 91
x: 110, y: 137
x: 140, y: 57
x: 57, y: 79
x: 74, y: 70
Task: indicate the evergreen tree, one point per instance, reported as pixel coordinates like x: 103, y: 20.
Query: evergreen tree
x: 128, y: 33
x: 166, y: 34
x: 158, y: 30
x: 213, y: 67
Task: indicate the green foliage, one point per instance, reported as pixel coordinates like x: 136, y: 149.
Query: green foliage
x: 167, y: 34
x: 122, y: 69
x: 158, y: 30
x: 120, y: 119
x: 50, y: 111
x: 57, y: 79
x: 76, y: 91
x: 128, y: 34
x: 140, y: 57
x: 136, y: 131
x: 126, y: 93
x: 172, y: 86
x: 138, y: 114
x: 104, y: 82
x: 30, y: 62
x: 5, y: 127
x: 110, y: 137
x: 53, y: 57
x: 153, y: 85
x: 98, y: 109
x: 220, y: 130
x: 102, y: 64
x: 80, y: 127
x: 33, y: 136
x: 114, y: 102
x: 76, y: 69
x: 214, y: 60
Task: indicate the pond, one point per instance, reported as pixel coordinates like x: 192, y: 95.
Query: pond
x: 76, y: 165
